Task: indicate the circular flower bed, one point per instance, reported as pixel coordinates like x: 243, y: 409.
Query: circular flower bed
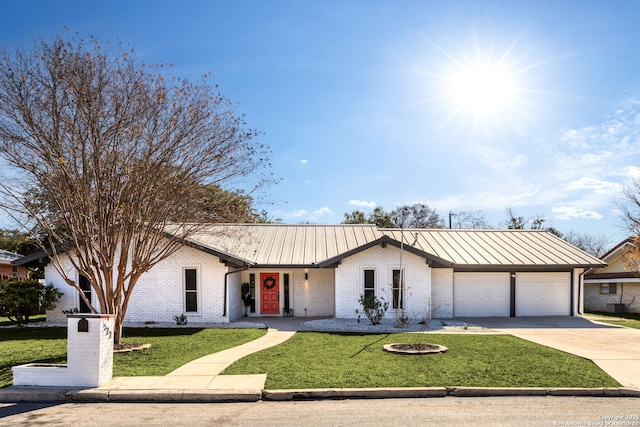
x: 404, y: 348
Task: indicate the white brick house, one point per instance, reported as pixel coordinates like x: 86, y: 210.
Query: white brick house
x: 321, y: 270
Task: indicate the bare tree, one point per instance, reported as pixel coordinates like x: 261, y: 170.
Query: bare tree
x: 118, y: 150
x: 515, y: 222
x: 417, y: 215
x: 629, y: 207
x: 595, y: 244
x: 469, y: 220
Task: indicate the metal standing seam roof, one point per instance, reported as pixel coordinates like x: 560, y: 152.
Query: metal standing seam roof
x: 502, y: 247
x: 7, y: 257
x: 312, y: 245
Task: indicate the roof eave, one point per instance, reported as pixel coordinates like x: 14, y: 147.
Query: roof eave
x: 431, y: 259
x: 520, y: 267
x: 226, y: 258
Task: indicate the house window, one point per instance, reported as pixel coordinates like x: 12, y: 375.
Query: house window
x: 85, y: 286
x: 369, y: 284
x: 15, y: 271
x: 252, y: 289
x: 398, y: 291
x: 608, y: 288
x: 190, y: 290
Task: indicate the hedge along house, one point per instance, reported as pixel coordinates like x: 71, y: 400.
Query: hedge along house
x: 321, y: 270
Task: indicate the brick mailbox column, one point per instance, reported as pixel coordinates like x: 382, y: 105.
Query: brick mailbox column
x: 90, y: 348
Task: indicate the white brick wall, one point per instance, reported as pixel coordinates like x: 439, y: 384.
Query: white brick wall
x: 159, y: 294
x: 235, y: 304
x: 349, y: 279
x: 442, y: 292
x: 89, y: 358
x: 315, y: 294
x: 90, y: 354
x: 69, y: 299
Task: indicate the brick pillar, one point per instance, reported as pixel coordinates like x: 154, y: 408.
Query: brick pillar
x: 90, y: 348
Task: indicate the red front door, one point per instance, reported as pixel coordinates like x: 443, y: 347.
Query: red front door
x: 269, y: 293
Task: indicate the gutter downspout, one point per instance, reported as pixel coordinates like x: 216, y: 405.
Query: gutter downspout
x: 581, y: 289
x: 226, y: 285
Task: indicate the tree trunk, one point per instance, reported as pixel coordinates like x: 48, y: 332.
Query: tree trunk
x: 117, y: 330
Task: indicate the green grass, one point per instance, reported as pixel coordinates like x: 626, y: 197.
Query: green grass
x: 25, y: 345
x: 171, y: 348
x: 323, y: 360
x: 319, y: 360
x: 4, y: 321
x: 629, y: 320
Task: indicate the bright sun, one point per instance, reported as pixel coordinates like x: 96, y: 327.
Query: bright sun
x: 482, y: 89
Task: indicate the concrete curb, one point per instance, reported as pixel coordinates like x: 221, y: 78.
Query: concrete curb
x: 384, y: 393
x: 33, y: 394
x: 54, y: 394
x: 353, y: 393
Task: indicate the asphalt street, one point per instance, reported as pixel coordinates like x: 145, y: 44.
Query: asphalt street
x: 485, y: 411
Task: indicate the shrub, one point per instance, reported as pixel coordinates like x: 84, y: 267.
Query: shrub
x: 21, y: 299
x: 374, y: 308
x: 181, y: 320
x: 246, y: 294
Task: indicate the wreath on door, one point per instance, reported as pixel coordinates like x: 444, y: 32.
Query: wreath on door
x: 269, y: 282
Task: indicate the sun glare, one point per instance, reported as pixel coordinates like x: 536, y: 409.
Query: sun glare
x: 482, y: 89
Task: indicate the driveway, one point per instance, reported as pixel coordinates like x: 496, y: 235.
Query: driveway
x: 613, y: 348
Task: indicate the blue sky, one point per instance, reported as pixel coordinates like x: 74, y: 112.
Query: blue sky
x: 360, y: 100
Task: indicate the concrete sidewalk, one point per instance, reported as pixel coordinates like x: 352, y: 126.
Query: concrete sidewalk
x: 204, y: 373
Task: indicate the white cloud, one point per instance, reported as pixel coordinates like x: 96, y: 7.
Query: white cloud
x: 567, y: 212
x: 632, y: 172
x: 362, y: 203
x: 599, y: 186
x: 303, y: 161
x: 322, y: 211
x: 299, y: 213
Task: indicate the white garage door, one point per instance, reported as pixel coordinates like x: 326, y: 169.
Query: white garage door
x: 543, y: 294
x: 481, y: 294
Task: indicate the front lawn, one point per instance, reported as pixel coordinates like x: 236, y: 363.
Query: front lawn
x: 4, y: 321
x: 629, y: 320
x: 325, y: 360
x: 321, y: 360
x: 170, y: 348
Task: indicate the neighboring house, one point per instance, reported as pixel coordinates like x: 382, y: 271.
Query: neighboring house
x: 10, y: 270
x: 321, y: 270
x: 612, y: 288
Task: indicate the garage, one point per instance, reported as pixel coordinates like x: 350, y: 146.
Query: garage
x: 543, y: 294
x: 481, y: 294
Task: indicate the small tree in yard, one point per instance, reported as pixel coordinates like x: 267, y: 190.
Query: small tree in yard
x: 21, y: 299
x: 110, y: 152
x: 374, y: 308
